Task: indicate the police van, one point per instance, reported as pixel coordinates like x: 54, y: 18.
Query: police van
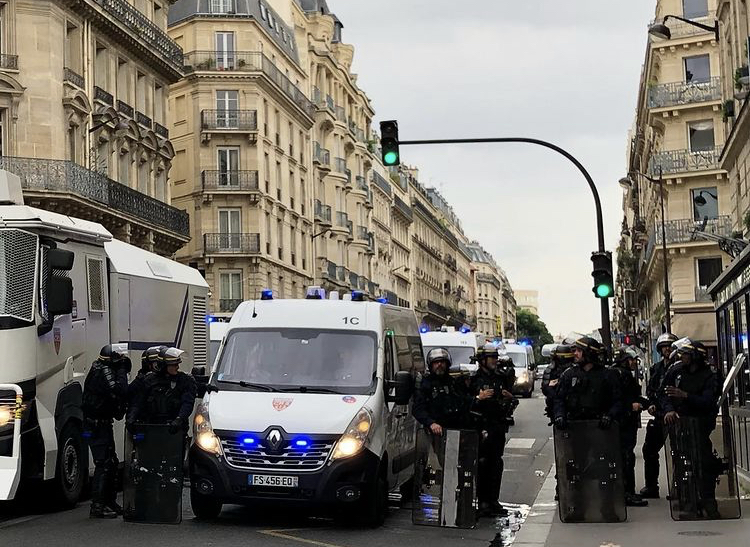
x: 462, y: 345
x: 308, y: 404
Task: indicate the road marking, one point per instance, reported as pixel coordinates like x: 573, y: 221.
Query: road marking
x: 20, y: 520
x: 282, y: 535
x: 520, y: 444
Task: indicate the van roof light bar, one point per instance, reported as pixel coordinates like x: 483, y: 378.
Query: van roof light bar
x: 266, y: 294
x: 358, y: 296
x: 315, y: 293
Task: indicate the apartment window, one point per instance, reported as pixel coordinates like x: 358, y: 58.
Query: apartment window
x: 697, y: 69
x: 222, y: 6
x: 230, y: 290
x: 229, y: 228
x: 705, y: 203
x: 122, y: 80
x: 291, y: 189
x: 291, y: 139
x: 281, y: 287
x: 278, y: 180
x: 159, y: 104
x: 268, y: 234
x: 228, y: 161
x: 73, y: 44
x: 225, y: 50
x: 277, y: 126
x: 100, y: 69
x: 141, y: 101
x: 280, y: 238
x: 227, y: 105
x: 701, y: 136
x: 123, y: 169
x: 267, y: 171
x: 708, y: 270
x: 265, y: 118
x: 293, y: 245
x: 693, y: 9
x: 302, y: 196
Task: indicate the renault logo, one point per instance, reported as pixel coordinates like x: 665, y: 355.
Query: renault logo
x: 274, y: 439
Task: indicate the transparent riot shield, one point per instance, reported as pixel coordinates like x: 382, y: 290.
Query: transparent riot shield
x: 589, y: 473
x: 701, y: 469
x: 152, y: 486
x: 445, y: 479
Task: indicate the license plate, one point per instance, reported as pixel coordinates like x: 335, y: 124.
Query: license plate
x: 273, y: 480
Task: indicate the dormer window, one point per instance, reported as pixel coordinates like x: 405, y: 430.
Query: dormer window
x: 222, y: 6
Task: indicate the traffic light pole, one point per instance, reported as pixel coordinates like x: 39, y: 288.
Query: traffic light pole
x: 606, y: 330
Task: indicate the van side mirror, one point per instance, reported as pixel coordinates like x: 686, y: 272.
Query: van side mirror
x: 59, y: 296
x: 60, y: 259
x: 403, y: 385
x: 201, y: 379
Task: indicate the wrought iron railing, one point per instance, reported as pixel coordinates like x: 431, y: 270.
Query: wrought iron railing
x: 143, y: 120
x: 229, y: 305
x: 341, y: 219
x: 679, y: 161
x: 340, y: 114
x: 679, y: 93
x: 160, y: 130
x: 437, y: 309
x: 350, y: 228
x: 354, y: 280
x: 321, y: 155
x: 339, y: 165
x: 330, y: 104
x: 362, y: 234
x: 322, y: 212
x: 231, y: 243
x: 71, y: 76
x: 155, y: 39
x: 341, y: 273
x: 239, y: 181
x: 361, y: 183
x: 125, y: 108
x: 684, y: 230
x: 70, y: 178
x: 8, y: 62
x: 248, y: 61
x: 103, y: 96
x: 401, y: 206
x: 381, y: 183
x: 236, y: 120
x: 330, y: 269
x: 702, y: 294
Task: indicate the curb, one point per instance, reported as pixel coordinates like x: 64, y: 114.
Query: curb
x: 536, y: 528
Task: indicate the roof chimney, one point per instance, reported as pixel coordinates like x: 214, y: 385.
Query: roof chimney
x: 10, y: 189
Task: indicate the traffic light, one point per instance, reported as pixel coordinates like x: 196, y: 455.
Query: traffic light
x: 604, y: 286
x: 389, y: 143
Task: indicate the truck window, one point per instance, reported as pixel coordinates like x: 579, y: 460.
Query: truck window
x: 389, y: 368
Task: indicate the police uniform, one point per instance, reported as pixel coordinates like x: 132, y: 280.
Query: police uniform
x: 442, y: 400
x: 588, y: 395
x: 561, y: 360
x: 104, y: 393
x: 148, y: 359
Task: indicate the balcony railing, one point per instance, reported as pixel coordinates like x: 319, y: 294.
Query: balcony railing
x: 231, y: 181
x: 362, y: 234
x: 248, y: 61
x: 683, y: 230
x: 401, y: 206
x: 229, y: 305
x: 125, y: 108
x: 683, y: 161
x: 322, y: 155
x: 317, y: 97
x: 361, y: 137
x: 342, y: 219
x: 155, y: 39
x: 340, y: 114
x: 8, y: 62
x: 69, y: 75
x: 361, y: 183
x: 381, y: 183
x: 66, y: 177
x: 103, y: 96
x: 230, y: 120
x: 350, y: 228
x: 339, y: 165
x: 246, y: 244
x: 330, y: 105
x: 160, y: 130
x: 143, y: 120
x: 330, y: 269
x: 680, y: 29
x: 322, y: 212
x: 680, y: 93
x: 341, y: 273
x: 437, y: 309
x: 354, y: 280
x: 702, y: 294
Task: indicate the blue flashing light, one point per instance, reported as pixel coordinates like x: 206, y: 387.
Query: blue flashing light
x: 383, y: 300
x: 303, y: 443
x: 465, y: 328
x: 424, y: 329
x: 266, y: 294
x: 358, y: 296
x: 315, y: 293
x: 211, y: 319
x: 248, y: 440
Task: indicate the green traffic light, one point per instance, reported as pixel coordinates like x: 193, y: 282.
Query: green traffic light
x: 391, y: 158
x: 603, y: 291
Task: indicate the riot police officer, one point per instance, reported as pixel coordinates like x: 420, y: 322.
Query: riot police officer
x: 690, y: 390
x: 587, y: 391
x: 440, y: 402
x: 655, y: 432
x: 626, y: 367
x: 148, y: 360
x: 495, y: 413
x: 167, y: 395
x: 104, y: 393
x: 561, y: 358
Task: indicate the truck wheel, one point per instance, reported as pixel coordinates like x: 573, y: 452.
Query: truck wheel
x: 204, y: 507
x: 71, y: 470
x: 375, y: 506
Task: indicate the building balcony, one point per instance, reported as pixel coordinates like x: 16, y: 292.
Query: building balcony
x: 229, y: 305
x: 127, y: 25
x: 681, y: 93
x: 339, y: 165
x: 70, y: 76
x: 435, y: 308
x: 104, y: 97
x: 8, y: 62
x: 66, y: 187
x: 342, y: 274
x: 360, y: 183
x: 381, y: 183
x: 342, y: 219
x: 230, y: 181
x: 702, y: 294
x: 340, y: 114
x: 247, y: 61
x: 230, y: 120
x: 321, y: 156
x: 231, y: 244
x: 125, y: 109
x: 403, y: 209
x: 684, y: 230
x: 361, y: 234
x: 330, y: 269
x: 685, y: 161
x: 322, y: 213
x: 681, y: 30
x: 161, y: 131
x: 350, y: 229
x: 144, y: 121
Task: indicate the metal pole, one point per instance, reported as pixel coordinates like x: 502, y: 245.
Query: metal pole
x: 606, y: 329
x: 667, y: 306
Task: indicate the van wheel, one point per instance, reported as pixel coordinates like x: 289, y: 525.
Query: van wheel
x: 71, y: 470
x: 375, y: 507
x: 204, y: 507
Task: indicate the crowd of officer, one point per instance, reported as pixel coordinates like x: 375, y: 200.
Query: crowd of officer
x: 483, y: 402
x: 159, y: 394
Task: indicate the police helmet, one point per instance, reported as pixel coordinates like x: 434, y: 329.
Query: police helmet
x: 666, y: 339
x: 624, y: 354
x: 439, y: 354
x: 505, y: 360
x: 487, y: 350
x: 695, y: 349
x: 592, y: 348
x: 562, y: 352
x: 168, y: 356
x: 151, y: 355
x: 112, y: 353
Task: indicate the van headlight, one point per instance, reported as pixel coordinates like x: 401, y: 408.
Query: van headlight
x: 203, y: 433
x: 354, y: 439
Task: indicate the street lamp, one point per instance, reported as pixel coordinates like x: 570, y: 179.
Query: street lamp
x: 660, y: 181
x: 661, y: 30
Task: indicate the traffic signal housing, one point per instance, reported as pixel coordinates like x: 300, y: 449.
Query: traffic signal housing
x: 389, y: 143
x: 604, y: 286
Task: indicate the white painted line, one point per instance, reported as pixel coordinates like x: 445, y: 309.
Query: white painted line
x: 20, y: 520
x: 536, y: 529
x: 520, y: 444
x: 281, y: 535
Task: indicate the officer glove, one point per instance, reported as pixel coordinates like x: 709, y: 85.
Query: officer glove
x: 560, y: 423
x: 605, y: 422
x: 175, y: 425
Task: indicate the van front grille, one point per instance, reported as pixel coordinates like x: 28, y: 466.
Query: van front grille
x: 286, y: 459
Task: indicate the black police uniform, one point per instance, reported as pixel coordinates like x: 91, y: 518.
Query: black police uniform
x: 655, y: 430
x: 700, y: 382
x: 442, y: 399
x: 104, y: 393
x: 630, y: 421
x: 552, y: 374
x: 164, y: 399
x: 592, y: 395
x: 495, y: 415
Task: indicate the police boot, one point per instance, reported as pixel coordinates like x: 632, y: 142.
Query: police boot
x: 633, y: 500
x: 114, y: 506
x: 101, y: 511
x: 650, y: 492
x: 498, y: 510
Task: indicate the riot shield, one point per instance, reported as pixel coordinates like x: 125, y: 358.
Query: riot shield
x: 445, y: 479
x: 589, y: 473
x: 152, y: 487
x: 701, y: 469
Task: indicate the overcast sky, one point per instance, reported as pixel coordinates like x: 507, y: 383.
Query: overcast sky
x: 563, y: 71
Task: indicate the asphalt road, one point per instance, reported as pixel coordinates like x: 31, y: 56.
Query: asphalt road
x: 528, y: 458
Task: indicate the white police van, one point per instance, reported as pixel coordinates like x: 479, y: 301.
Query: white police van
x: 462, y: 345
x: 308, y: 404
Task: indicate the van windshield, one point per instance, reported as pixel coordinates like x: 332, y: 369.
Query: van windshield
x: 520, y: 359
x: 300, y: 359
x: 460, y: 355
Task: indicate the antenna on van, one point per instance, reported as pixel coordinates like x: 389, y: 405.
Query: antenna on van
x: 255, y: 300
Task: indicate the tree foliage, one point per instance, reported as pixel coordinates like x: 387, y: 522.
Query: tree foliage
x: 531, y: 327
